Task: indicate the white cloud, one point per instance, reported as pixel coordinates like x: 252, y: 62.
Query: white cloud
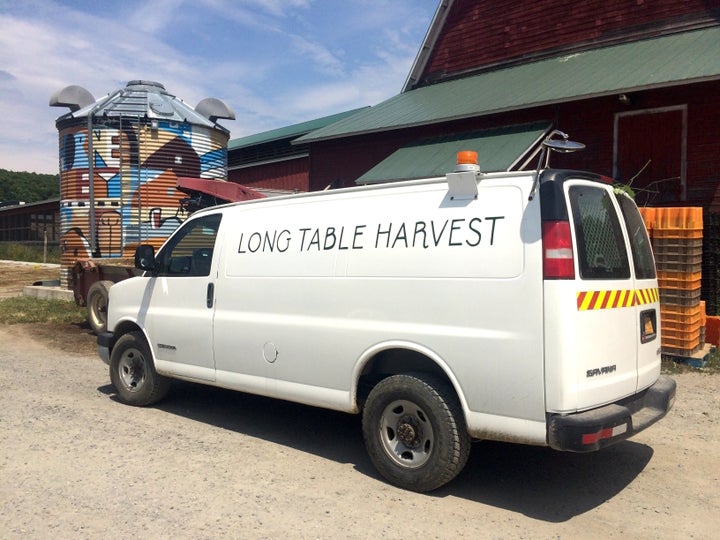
x: 265, y: 15
x: 154, y: 15
x: 324, y: 60
x: 276, y: 8
x: 275, y: 62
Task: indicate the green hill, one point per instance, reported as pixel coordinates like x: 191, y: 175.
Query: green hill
x: 28, y: 187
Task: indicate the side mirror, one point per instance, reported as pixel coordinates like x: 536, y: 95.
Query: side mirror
x: 145, y: 258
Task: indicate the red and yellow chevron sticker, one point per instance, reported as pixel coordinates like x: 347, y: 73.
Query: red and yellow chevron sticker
x: 588, y: 300
x: 646, y: 296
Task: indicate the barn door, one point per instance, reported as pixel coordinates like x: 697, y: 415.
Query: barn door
x: 650, y: 154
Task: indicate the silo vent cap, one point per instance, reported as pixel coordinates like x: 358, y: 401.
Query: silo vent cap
x: 75, y: 97
x: 214, y: 108
x: 140, y: 82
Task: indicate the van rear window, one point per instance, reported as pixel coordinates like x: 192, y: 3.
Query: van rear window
x: 639, y: 240
x: 600, y: 246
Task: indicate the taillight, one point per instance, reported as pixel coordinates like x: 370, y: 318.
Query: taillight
x: 558, y: 260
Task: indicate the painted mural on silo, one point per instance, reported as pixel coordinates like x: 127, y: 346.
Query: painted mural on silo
x: 119, y: 186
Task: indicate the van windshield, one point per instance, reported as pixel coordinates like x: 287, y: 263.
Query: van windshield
x: 639, y: 241
x: 600, y: 243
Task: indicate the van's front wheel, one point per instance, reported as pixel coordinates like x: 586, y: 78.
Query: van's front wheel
x: 414, y: 431
x: 133, y: 374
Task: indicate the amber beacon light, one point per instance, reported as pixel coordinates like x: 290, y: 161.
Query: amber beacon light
x: 467, y: 160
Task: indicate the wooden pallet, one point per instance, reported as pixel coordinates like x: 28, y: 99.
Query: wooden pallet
x: 697, y: 360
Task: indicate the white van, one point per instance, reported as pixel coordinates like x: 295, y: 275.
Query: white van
x: 516, y: 307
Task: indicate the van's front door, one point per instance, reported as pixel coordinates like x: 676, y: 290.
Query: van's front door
x: 180, y: 303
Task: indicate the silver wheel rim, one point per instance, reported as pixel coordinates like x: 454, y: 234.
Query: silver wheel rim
x: 406, y: 434
x: 131, y: 369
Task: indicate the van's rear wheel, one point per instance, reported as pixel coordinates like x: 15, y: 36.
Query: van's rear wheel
x: 414, y: 431
x: 133, y: 374
x: 97, y: 302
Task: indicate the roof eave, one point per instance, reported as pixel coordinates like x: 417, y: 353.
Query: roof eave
x: 291, y: 132
x: 428, y: 44
x: 518, y: 108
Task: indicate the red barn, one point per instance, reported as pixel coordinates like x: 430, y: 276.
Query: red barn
x: 270, y: 162
x: 636, y: 81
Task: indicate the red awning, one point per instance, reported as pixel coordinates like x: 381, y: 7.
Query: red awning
x: 227, y: 191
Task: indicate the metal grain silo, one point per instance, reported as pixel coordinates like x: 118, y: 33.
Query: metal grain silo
x: 120, y: 158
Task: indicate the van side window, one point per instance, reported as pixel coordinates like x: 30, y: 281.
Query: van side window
x: 600, y: 243
x: 639, y: 241
x: 189, y: 252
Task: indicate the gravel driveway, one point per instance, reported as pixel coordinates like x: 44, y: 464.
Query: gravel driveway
x: 209, y: 463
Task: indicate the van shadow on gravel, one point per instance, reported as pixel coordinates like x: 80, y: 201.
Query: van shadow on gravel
x: 544, y: 484
x: 534, y: 481
x: 329, y: 434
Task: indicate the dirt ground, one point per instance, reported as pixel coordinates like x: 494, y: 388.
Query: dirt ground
x: 210, y: 463
x: 15, y: 275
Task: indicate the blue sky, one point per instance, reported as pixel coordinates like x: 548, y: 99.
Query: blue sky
x: 275, y: 62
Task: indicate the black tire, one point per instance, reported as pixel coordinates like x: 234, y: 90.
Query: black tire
x: 133, y: 374
x: 97, y: 302
x: 415, y: 432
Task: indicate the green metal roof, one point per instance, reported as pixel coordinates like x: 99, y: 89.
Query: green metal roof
x: 498, y: 150
x: 290, y: 131
x: 653, y: 63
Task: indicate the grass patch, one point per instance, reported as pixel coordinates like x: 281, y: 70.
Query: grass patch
x: 28, y: 253
x: 670, y: 366
x: 713, y: 365
x: 24, y: 309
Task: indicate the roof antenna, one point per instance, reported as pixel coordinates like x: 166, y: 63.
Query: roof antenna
x: 563, y: 146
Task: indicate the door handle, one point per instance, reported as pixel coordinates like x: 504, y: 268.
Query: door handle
x: 210, y: 295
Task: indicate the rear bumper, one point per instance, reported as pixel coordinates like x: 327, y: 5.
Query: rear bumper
x: 595, y: 429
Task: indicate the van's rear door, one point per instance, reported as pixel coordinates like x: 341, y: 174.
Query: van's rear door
x: 647, y: 301
x: 601, y: 323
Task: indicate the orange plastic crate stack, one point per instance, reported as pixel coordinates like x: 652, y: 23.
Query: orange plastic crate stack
x: 677, y: 242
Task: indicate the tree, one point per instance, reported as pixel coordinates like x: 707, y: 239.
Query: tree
x: 28, y: 187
